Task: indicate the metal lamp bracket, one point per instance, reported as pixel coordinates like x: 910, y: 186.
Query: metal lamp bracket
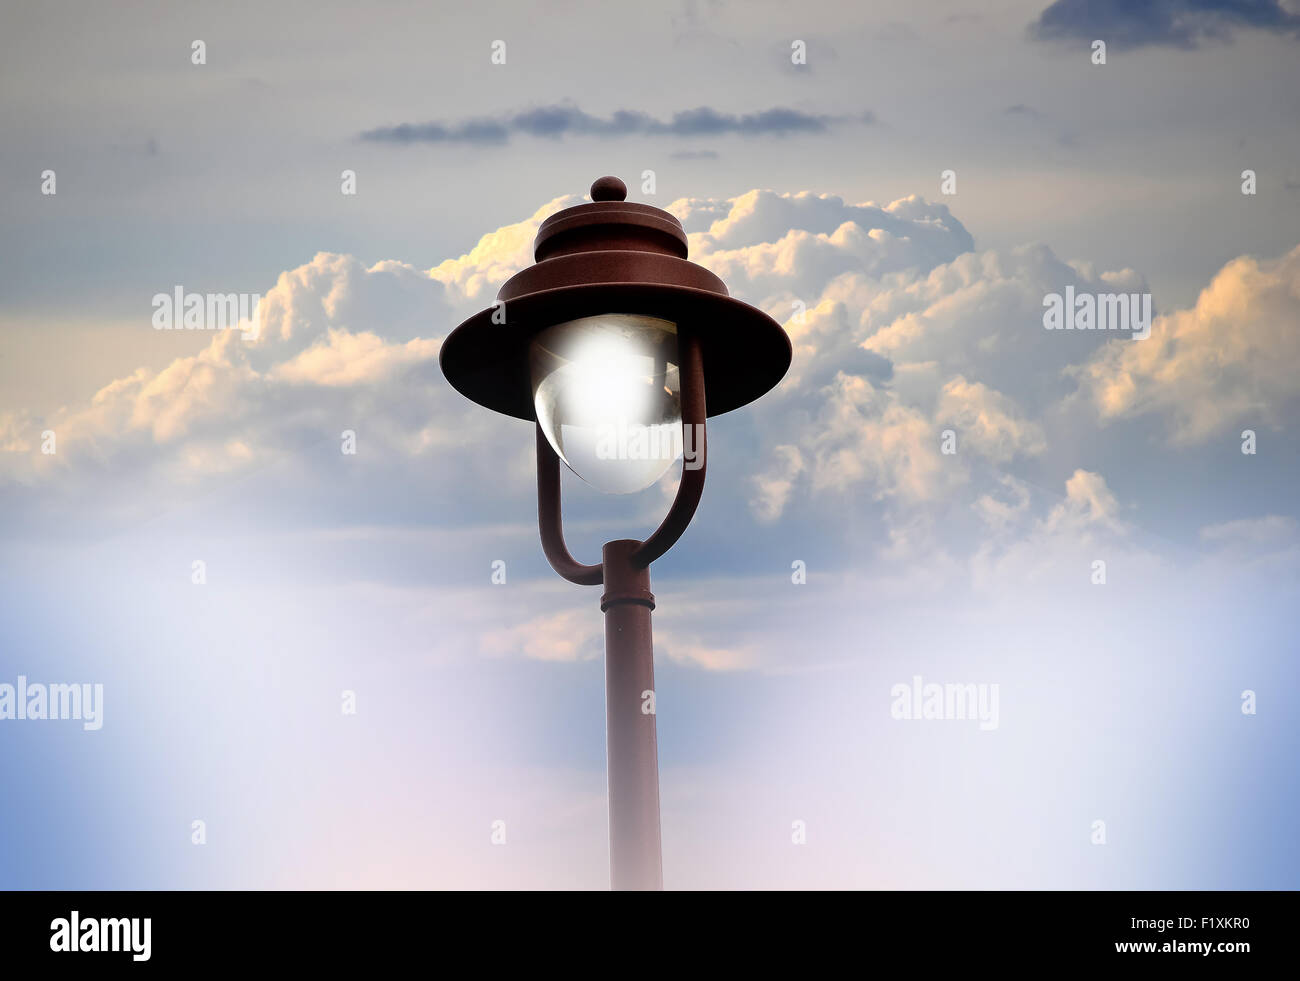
x: 689, y: 490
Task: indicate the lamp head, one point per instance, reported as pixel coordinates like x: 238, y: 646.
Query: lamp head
x: 585, y: 340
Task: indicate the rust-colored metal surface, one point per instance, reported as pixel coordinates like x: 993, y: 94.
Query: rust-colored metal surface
x: 691, y: 486
x: 613, y: 256
x: 632, y: 747
x: 550, y: 522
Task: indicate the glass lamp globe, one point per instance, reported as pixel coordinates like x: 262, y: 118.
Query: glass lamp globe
x: 607, y: 393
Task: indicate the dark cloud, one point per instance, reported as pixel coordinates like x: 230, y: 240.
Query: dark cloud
x: 473, y: 131
x: 1173, y: 23
x: 558, y: 121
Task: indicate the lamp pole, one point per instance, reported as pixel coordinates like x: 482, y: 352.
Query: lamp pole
x: 620, y: 260
x: 632, y: 751
x: 632, y: 748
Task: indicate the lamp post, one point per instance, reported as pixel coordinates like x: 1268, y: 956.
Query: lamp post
x: 617, y: 348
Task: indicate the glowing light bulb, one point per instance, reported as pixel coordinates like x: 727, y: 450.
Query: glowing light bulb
x: 607, y: 392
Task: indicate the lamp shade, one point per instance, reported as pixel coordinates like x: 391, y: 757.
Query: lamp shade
x: 612, y: 258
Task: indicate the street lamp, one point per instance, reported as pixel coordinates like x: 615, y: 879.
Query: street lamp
x: 609, y: 344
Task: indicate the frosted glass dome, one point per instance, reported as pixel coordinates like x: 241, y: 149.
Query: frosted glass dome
x: 607, y: 393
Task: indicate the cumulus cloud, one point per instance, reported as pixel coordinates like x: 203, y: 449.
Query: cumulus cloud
x: 1172, y: 23
x: 1055, y: 549
x: 1003, y: 507
x: 471, y: 280
x: 866, y: 435
x: 558, y: 121
x: 352, y: 359
x: 981, y: 314
x: 333, y: 333
x: 988, y: 420
x: 1088, y: 504
x: 901, y: 330
x: 342, y: 346
x: 1233, y: 358
x: 763, y: 217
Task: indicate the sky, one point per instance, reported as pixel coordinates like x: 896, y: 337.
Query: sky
x: 903, y: 186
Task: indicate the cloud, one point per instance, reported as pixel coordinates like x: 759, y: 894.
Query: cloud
x: 867, y: 434
x: 776, y: 249
x: 692, y: 652
x: 1088, y: 503
x: 1269, y: 544
x: 1052, y: 550
x: 570, y: 635
x: 472, y: 280
x: 870, y: 436
x: 981, y: 315
x: 1001, y: 509
x: 774, y: 484
x: 1172, y: 23
x: 900, y: 331
x: 342, y: 346
x: 760, y: 217
x: 1233, y: 358
x: 353, y: 359
x: 558, y: 121
x: 989, y: 421
x: 1268, y: 530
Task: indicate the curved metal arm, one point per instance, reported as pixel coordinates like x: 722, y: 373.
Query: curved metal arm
x: 690, y: 488
x: 692, y: 482
x: 551, y: 524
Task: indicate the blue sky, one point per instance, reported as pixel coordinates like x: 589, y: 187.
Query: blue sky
x: 814, y: 190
